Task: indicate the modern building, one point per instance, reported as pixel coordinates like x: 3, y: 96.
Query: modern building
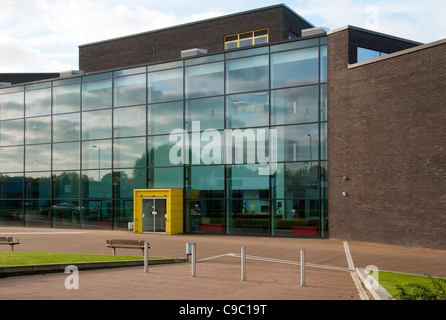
x: 256, y: 123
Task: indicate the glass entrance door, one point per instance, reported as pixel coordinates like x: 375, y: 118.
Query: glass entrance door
x: 154, y: 215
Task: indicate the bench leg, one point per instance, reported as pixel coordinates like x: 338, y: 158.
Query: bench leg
x: 114, y: 251
x: 12, y: 248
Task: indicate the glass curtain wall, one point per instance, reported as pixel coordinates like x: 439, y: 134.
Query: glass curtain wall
x: 243, y: 133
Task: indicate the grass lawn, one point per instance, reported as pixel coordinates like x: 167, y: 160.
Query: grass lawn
x: 389, y: 280
x: 8, y: 258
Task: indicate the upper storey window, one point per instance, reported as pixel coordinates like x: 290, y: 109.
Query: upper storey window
x: 246, y: 39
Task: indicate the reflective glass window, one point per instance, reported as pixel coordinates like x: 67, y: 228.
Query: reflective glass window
x: 165, y: 178
x: 206, y: 147
x: 11, y: 186
x: 11, y: 159
x: 205, y: 215
x: 67, y: 98
x: 129, y: 121
x: 97, y: 124
x: 205, y: 80
x: 11, y: 132
x: 96, y: 184
x: 244, y: 181
x: 210, y: 112
x: 295, y: 45
x: 11, y: 212
x: 37, y: 213
x: 247, y: 110
x: 38, y: 158
x: 97, y: 95
x: 247, y: 74
x: 38, y: 185
x: 159, y: 151
x: 324, y: 180
x: 66, y: 185
x: 294, y: 68
x: 295, y: 105
x: 298, y: 143
x: 129, y: 153
x: 38, y: 130
x: 165, y: 85
x: 129, y: 91
x: 296, y: 180
x: 66, y: 127
x: 66, y: 213
x: 296, y: 217
x: 97, y: 154
x: 324, y: 72
x: 11, y: 105
x: 324, y: 102
x: 122, y: 213
x: 127, y: 180
x: 205, y: 182
x: 165, y: 117
x: 97, y: 214
x: 66, y: 156
x: 324, y: 138
x: 38, y: 102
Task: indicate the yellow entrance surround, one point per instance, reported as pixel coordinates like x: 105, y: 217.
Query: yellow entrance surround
x: 174, y: 208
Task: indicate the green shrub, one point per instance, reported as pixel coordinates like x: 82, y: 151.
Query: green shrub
x: 414, y: 291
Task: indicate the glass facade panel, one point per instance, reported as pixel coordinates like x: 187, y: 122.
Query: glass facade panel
x: 12, y: 105
x: 295, y: 68
x: 11, y: 186
x: 296, y: 180
x: 66, y: 99
x: 38, y: 102
x: 247, y: 110
x: 96, y: 214
x: 129, y: 91
x: 38, y: 213
x: 295, y: 105
x: 205, y: 80
x: 165, y: 85
x: 129, y: 153
x: 66, y: 185
x: 11, y: 132
x: 247, y: 74
x: 38, y: 130
x: 11, y: 159
x: 66, y: 156
x: 38, y: 158
x: 165, y: 117
x: 159, y: 151
x: 66, y: 127
x: 126, y: 180
x: 97, y: 95
x: 11, y: 212
x: 38, y: 185
x: 97, y: 125
x: 97, y: 154
x: 129, y: 121
x: 96, y: 184
x: 210, y: 112
x: 296, y: 217
x: 298, y: 143
x: 160, y: 178
x: 205, y: 182
x: 66, y: 214
x: 205, y: 216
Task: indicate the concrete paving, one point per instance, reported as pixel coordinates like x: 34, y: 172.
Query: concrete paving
x: 327, y: 274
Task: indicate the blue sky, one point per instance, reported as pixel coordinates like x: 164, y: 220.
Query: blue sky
x: 44, y: 35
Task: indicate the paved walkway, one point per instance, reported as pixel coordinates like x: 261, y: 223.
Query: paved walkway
x: 217, y: 278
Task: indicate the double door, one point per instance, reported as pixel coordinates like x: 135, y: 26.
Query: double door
x: 154, y: 215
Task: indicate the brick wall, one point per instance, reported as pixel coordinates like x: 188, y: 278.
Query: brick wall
x: 167, y: 44
x: 387, y: 130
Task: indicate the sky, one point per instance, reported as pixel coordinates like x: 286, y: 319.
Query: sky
x: 44, y: 35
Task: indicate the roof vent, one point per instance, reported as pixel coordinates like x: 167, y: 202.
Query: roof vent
x: 70, y: 73
x: 314, y: 31
x: 193, y: 52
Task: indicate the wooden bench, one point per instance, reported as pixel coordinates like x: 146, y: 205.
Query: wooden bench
x: 9, y: 241
x: 125, y: 244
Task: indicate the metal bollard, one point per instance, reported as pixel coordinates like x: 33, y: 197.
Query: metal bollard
x: 302, y: 268
x: 194, y: 260
x: 243, y: 258
x: 146, y: 257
